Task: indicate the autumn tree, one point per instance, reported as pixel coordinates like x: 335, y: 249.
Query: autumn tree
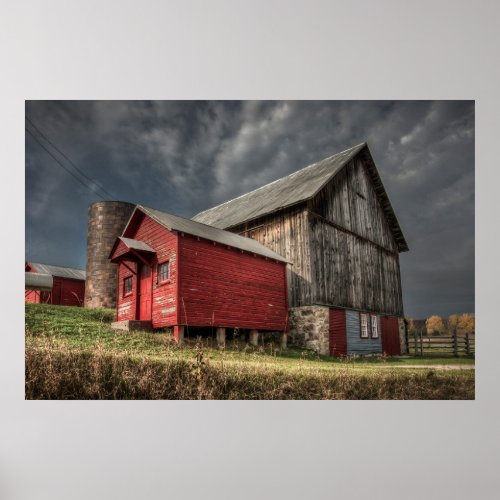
x: 466, y: 324
x: 435, y: 325
x: 453, y: 322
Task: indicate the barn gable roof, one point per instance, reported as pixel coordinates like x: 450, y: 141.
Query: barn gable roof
x: 297, y: 188
x: 59, y: 271
x: 188, y: 226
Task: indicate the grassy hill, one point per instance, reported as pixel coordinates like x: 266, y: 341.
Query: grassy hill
x: 72, y: 353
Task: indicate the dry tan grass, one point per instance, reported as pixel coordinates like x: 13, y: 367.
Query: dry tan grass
x: 59, y: 371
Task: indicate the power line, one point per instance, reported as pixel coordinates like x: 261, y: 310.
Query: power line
x: 61, y: 164
x: 72, y: 163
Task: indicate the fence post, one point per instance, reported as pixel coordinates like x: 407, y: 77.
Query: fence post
x: 467, y: 344
x: 415, y: 340
x: 421, y: 344
x: 455, y: 343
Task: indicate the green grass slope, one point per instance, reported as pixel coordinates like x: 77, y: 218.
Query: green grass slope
x: 72, y: 353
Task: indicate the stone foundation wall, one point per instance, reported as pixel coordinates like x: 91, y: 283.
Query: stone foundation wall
x: 402, y: 336
x: 309, y: 328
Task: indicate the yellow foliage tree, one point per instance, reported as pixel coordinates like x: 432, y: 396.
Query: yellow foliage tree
x: 453, y: 322
x: 466, y: 324
x: 435, y: 325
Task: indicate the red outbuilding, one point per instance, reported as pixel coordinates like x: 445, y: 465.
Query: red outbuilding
x: 175, y: 272
x: 68, y: 285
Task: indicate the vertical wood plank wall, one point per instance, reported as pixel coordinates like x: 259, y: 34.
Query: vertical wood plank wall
x: 340, y: 244
x: 347, y: 270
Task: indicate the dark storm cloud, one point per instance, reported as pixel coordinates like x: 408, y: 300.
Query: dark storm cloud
x: 184, y: 157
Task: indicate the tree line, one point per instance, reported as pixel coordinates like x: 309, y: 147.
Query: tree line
x: 436, y: 325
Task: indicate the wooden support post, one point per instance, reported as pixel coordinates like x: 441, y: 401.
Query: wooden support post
x: 284, y: 337
x: 221, y: 337
x: 467, y: 344
x: 179, y: 334
x: 421, y: 344
x: 254, y: 337
x: 416, y: 345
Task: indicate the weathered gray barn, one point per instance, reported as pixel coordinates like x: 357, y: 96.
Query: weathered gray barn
x: 334, y: 222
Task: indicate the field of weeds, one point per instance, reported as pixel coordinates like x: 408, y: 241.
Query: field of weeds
x: 72, y: 353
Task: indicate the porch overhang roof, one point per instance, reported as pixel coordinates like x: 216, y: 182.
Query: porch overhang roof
x: 133, y: 249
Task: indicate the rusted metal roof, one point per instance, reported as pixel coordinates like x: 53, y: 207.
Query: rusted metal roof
x: 136, y: 244
x: 61, y: 272
x: 38, y: 281
x: 188, y: 226
x: 297, y: 188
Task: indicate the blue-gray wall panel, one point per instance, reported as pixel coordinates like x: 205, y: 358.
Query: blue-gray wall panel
x: 357, y: 345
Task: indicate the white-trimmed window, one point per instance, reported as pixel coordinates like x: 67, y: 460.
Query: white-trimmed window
x: 374, y: 326
x: 363, y: 318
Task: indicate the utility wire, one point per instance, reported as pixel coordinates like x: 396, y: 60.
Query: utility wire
x: 72, y: 163
x: 61, y: 164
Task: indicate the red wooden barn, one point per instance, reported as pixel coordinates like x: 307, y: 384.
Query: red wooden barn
x: 175, y: 272
x: 68, y: 285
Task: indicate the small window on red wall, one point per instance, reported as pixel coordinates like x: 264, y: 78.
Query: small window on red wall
x: 163, y: 272
x: 127, y: 285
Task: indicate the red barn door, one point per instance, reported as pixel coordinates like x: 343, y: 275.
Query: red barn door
x: 390, y: 335
x: 338, y: 334
x: 55, y: 295
x: 145, y: 292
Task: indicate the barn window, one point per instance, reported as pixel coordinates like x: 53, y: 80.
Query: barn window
x: 163, y: 271
x: 364, y: 325
x: 374, y: 326
x: 127, y: 285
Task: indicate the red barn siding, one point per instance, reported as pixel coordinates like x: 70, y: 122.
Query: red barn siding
x: 32, y: 296
x: 71, y: 292
x: 224, y: 287
x: 164, y: 306
x: 209, y: 284
x: 65, y: 292
x: 338, y: 333
x: 126, y: 305
x: 120, y: 249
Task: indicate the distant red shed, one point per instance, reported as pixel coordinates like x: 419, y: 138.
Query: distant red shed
x: 177, y: 272
x: 68, y: 285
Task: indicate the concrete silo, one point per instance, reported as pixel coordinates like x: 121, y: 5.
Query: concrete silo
x: 106, y: 221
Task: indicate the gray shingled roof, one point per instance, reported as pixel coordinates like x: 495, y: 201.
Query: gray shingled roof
x: 289, y: 190
x: 297, y: 188
x: 61, y: 272
x: 136, y: 244
x: 188, y: 226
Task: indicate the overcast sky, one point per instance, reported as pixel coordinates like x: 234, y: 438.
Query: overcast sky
x: 184, y: 157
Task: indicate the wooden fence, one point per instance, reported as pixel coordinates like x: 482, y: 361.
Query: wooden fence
x: 442, y: 345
